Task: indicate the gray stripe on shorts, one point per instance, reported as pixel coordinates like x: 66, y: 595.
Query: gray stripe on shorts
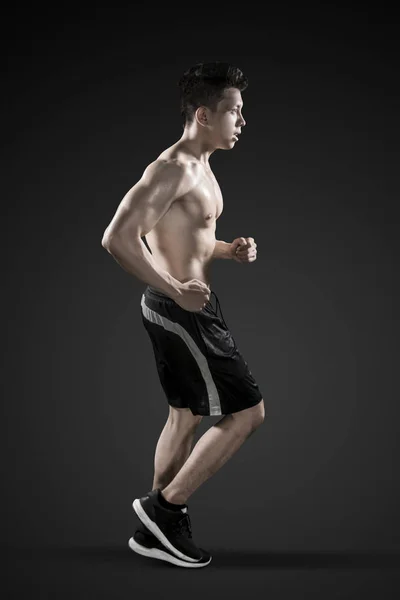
x: 213, y: 396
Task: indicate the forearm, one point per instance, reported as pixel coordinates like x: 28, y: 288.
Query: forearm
x: 222, y: 250
x: 136, y: 260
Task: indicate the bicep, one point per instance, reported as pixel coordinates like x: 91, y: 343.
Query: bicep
x: 146, y: 202
x: 139, y: 211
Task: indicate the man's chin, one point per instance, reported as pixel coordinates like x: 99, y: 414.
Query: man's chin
x: 227, y: 145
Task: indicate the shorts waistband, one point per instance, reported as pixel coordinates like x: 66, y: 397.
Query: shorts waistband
x: 157, y: 293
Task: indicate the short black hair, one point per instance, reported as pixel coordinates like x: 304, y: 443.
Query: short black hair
x: 204, y: 85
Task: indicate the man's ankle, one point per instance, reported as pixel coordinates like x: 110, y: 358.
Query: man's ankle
x: 173, y: 497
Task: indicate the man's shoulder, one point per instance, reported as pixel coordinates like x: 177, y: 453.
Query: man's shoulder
x: 171, y: 168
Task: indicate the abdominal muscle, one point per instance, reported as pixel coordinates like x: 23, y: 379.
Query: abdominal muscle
x: 184, y: 252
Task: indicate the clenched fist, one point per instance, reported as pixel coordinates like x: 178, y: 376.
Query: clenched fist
x: 194, y: 295
x: 244, y: 250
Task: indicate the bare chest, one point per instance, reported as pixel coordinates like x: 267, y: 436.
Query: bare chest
x: 185, y: 236
x: 203, y: 205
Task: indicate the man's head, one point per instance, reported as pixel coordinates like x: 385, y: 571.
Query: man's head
x: 211, y: 101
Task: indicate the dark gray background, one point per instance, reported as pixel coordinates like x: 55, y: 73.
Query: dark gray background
x: 92, y: 99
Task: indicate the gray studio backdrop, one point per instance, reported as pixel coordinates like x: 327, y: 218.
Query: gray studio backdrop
x: 315, y: 316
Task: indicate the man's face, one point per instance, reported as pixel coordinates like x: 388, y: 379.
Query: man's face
x: 227, y: 120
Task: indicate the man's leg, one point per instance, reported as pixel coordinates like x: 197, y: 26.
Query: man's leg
x: 212, y: 450
x: 174, y: 445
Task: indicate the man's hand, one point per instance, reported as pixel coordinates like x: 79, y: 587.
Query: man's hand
x: 244, y: 250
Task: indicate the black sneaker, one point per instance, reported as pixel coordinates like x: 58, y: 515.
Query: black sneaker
x: 145, y: 543
x: 171, y: 527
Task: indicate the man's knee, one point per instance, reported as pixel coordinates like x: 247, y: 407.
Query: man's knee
x: 253, y: 417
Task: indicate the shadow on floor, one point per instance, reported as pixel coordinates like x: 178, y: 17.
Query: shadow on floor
x: 246, y: 559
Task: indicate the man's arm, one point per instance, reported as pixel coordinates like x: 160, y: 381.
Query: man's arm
x: 222, y: 250
x: 139, y: 211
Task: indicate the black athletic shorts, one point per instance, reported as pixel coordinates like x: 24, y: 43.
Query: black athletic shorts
x: 198, y: 362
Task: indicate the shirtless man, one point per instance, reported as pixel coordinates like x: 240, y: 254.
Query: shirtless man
x: 175, y: 205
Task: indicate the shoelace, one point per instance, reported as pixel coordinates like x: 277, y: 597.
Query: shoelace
x: 183, y: 526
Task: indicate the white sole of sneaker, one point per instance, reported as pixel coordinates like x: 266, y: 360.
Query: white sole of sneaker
x: 137, y: 507
x: 160, y: 555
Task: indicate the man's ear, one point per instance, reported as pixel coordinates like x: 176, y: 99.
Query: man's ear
x: 201, y: 115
